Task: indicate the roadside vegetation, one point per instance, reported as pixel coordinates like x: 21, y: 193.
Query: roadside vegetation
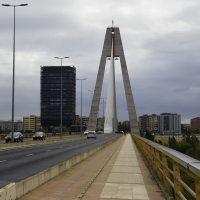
x: 188, y: 144
x: 124, y: 126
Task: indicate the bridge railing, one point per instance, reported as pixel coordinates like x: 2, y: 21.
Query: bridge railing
x: 179, y: 173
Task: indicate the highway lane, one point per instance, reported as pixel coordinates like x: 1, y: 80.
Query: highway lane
x: 18, y: 164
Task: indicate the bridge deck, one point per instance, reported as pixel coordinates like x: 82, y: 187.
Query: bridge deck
x: 123, y: 176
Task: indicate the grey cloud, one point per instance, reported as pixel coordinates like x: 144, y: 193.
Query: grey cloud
x: 178, y: 90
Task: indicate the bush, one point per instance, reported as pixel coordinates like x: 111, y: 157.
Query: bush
x: 173, y: 143
x: 149, y: 136
x: 184, y: 146
x: 158, y: 141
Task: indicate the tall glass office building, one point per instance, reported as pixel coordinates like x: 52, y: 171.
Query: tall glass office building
x: 50, y: 96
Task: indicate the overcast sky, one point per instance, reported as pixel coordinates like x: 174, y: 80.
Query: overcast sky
x: 161, y: 41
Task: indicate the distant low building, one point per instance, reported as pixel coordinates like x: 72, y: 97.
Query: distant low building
x: 31, y: 123
x: 84, y: 120
x: 185, y: 126
x: 7, y: 125
x: 195, y: 123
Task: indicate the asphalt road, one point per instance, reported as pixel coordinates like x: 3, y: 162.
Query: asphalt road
x: 18, y: 164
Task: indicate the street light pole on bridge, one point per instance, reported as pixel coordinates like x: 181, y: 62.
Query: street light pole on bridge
x: 81, y: 100
x: 13, y: 82
x: 61, y: 95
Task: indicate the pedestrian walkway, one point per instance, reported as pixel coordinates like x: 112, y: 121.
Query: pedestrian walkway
x: 116, y: 172
x: 125, y: 177
x: 125, y: 180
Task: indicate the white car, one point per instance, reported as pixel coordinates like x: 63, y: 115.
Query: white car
x: 91, y: 134
x: 86, y: 132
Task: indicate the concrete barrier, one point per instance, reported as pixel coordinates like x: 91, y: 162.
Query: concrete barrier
x: 8, y: 192
x: 16, y: 190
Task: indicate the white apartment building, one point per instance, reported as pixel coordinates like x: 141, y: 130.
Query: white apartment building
x: 7, y: 125
x: 170, y: 123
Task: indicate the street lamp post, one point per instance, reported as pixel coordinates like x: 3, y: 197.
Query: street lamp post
x: 61, y: 94
x: 81, y: 101
x: 13, y: 82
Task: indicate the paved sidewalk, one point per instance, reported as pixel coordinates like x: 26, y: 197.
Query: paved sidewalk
x: 125, y: 176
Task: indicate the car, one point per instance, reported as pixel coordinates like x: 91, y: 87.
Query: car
x: 99, y: 132
x: 91, y: 134
x: 122, y: 132
x: 17, y: 137
x: 85, y: 132
x: 39, y: 136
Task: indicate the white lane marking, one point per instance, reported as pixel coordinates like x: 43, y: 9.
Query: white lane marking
x: 49, y: 150
x: 30, y: 154
x: 2, y: 161
x: 61, y: 147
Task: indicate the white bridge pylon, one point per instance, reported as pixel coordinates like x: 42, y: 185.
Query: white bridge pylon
x: 112, y: 48
x: 110, y: 123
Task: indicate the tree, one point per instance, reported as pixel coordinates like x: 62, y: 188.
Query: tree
x: 173, y: 143
x: 124, y: 126
x: 190, y: 137
x: 149, y: 136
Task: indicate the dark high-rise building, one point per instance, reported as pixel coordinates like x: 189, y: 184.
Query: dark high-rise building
x: 50, y: 95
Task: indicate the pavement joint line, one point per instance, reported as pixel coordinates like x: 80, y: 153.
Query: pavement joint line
x: 29, y: 155
x: 86, y: 187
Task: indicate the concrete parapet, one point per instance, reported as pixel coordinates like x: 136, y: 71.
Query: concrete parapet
x: 16, y: 190
x: 8, y: 192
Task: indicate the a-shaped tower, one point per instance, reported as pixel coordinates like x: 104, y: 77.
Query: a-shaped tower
x: 112, y: 48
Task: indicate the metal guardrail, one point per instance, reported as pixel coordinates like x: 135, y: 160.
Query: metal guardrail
x: 179, y: 173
